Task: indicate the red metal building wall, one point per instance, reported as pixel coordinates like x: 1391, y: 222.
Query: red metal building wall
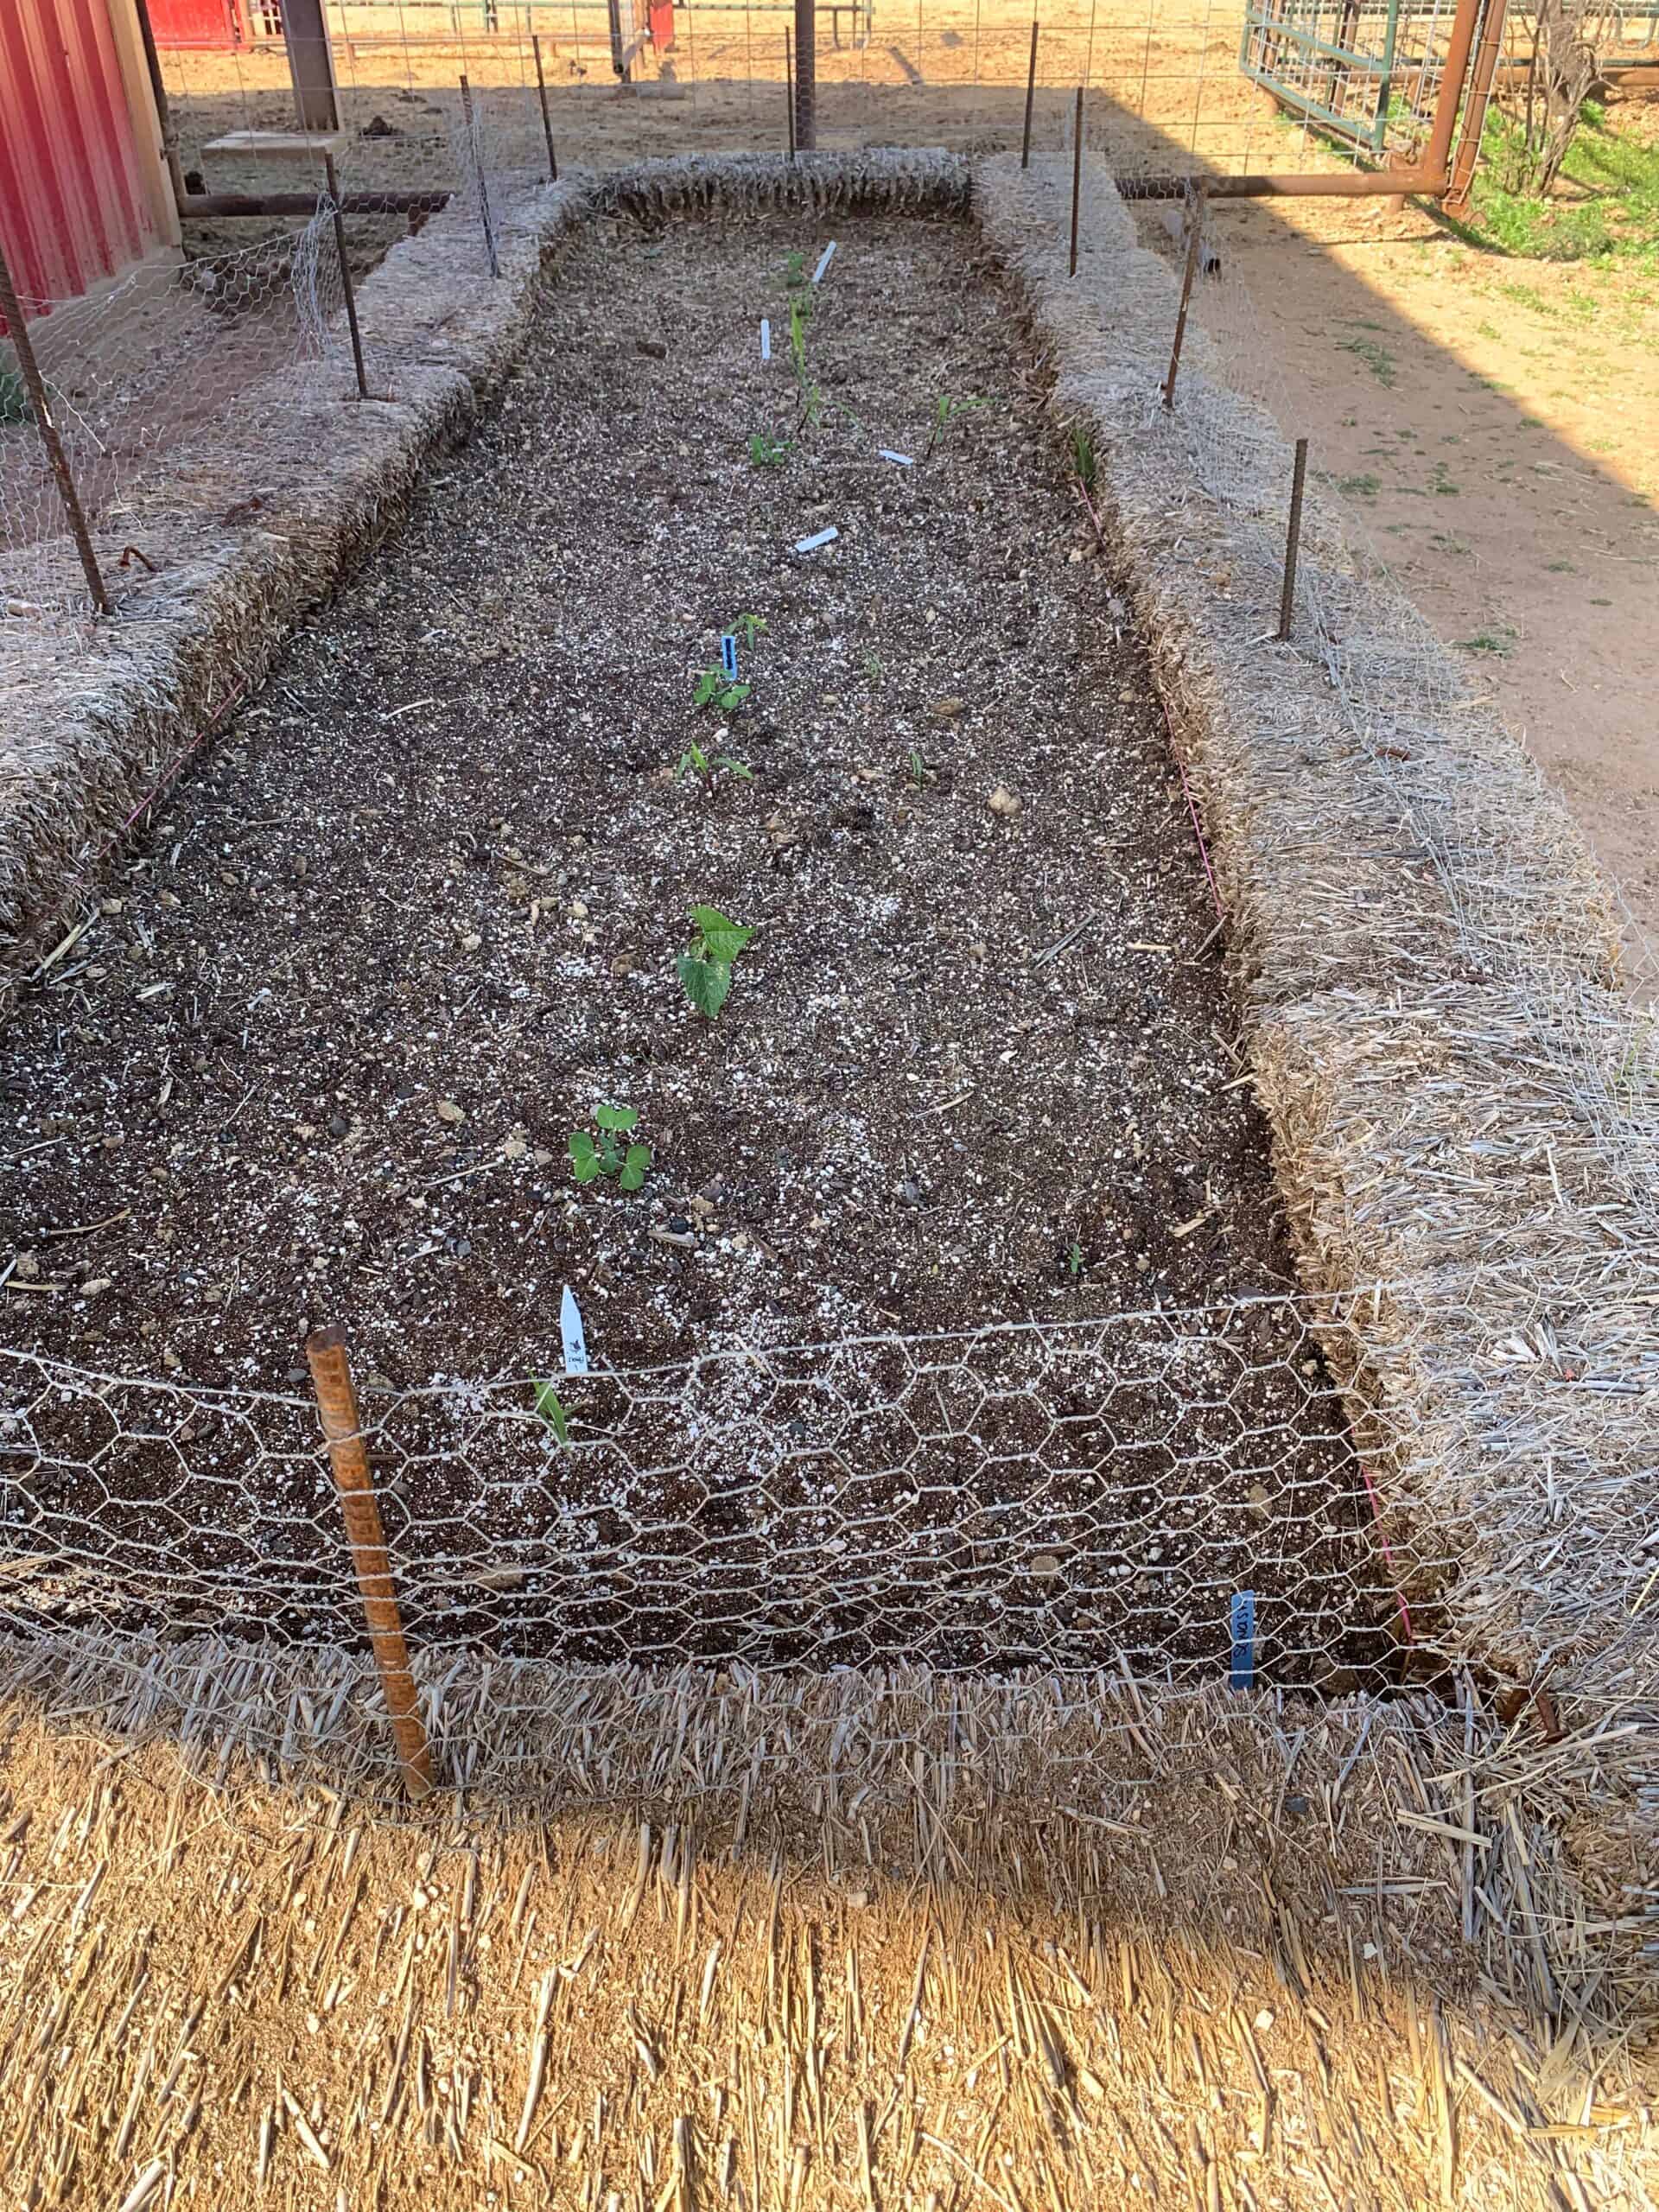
x: 197, y: 22
x: 73, y: 207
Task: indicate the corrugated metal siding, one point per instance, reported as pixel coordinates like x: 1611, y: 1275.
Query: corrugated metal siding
x: 197, y: 22
x: 73, y: 205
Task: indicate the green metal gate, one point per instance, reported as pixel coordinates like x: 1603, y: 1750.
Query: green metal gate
x: 1335, y: 61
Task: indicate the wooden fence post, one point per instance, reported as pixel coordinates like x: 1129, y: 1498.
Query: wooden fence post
x: 331, y: 1378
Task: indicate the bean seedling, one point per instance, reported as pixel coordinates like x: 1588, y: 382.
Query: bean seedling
x: 765, y: 451
x: 705, y: 967
x: 945, y: 411
x: 694, y: 760
x: 608, y: 1157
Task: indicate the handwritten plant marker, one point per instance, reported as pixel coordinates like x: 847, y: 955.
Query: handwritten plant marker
x: 728, y: 655
x: 1241, y: 1675
x: 576, y: 1340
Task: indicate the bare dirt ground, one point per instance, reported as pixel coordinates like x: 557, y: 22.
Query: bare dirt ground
x: 1491, y: 421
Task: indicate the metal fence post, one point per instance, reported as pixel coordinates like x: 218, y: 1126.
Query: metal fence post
x: 23, y: 344
x: 1194, y: 235
x: 346, y: 275
x: 789, y: 89
x: 1293, y: 541
x: 475, y: 155
x: 547, y: 120
x: 806, y: 74
x: 1031, y: 95
x: 331, y: 1378
x: 1076, y: 179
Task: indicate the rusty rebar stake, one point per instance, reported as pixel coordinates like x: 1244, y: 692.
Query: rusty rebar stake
x: 331, y: 1378
x: 346, y: 275
x: 477, y: 160
x: 1194, y: 239
x: 11, y: 313
x: 1293, y: 541
x: 547, y: 120
x: 789, y: 89
x: 1076, y: 179
x: 1031, y: 95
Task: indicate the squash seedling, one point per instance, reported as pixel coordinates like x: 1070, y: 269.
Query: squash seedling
x: 705, y: 967
x: 712, y: 687
x: 608, y: 1157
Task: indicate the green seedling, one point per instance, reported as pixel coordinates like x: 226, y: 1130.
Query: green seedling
x: 548, y: 1411
x: 919, y: 771
x: 945, y: 411
x: 1084, y: 463
x: 749, y: 628
x: 873, y: 667
x: 694, y: 761
x: 712, y: 687
x: 705, y: 967
x: 1075, y: 1260
x: 795, y: 272
x: 608, y: 1157
x: 765, y: 451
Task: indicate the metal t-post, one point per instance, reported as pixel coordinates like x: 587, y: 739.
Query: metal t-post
x: 11, y: 312
x: 806, y: 74
x: 311, y: 65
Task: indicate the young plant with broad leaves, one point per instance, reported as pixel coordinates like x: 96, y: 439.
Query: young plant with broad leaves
x: 625, y: 1164
x: 705, y: 967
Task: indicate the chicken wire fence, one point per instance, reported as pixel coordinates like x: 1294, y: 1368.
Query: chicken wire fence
x: 132, y: 375
x: 1178, y: 1494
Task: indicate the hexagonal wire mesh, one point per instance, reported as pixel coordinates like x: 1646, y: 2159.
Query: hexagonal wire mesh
x: 1059, y: 1497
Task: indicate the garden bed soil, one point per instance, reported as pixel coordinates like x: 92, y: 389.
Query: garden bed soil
x: 322, y: 1049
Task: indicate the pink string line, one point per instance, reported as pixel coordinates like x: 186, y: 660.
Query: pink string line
x: 208, y: 729
x: 1387, y: 1551
x: 1181, y: 765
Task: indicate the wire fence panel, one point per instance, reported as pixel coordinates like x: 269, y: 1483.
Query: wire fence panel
x: 1065, y: 1497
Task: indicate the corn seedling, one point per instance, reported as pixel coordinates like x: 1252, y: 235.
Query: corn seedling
x: 1084, y: 460
x: 945, y: 411
x: 705, y: 967
x: 919, y: 771
x: 694, y: 761
x: 606, y: 1156
x: 749, y: 628
x: 548, y: 1411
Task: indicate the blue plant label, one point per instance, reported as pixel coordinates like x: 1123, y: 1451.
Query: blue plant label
x: 728, y: 655
x: 1241, y: 1676
x: 819, y: 538
x: 829, y: 254
x: 766, y: 340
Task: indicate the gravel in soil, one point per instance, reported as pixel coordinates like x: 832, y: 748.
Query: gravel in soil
x: 323, y: 1052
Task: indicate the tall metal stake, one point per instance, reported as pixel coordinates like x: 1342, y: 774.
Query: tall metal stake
x: 547, y: 120
x: 1293, y: 541
x: 806, y: 74
x: 477, y: 161
x: 789, y: 89
x: 1194, y: 239
x: 11, y: 312
x: 331, y: 1378
x: 1076, y: 179
x: 345, y: 277
x: 1031, y: 95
